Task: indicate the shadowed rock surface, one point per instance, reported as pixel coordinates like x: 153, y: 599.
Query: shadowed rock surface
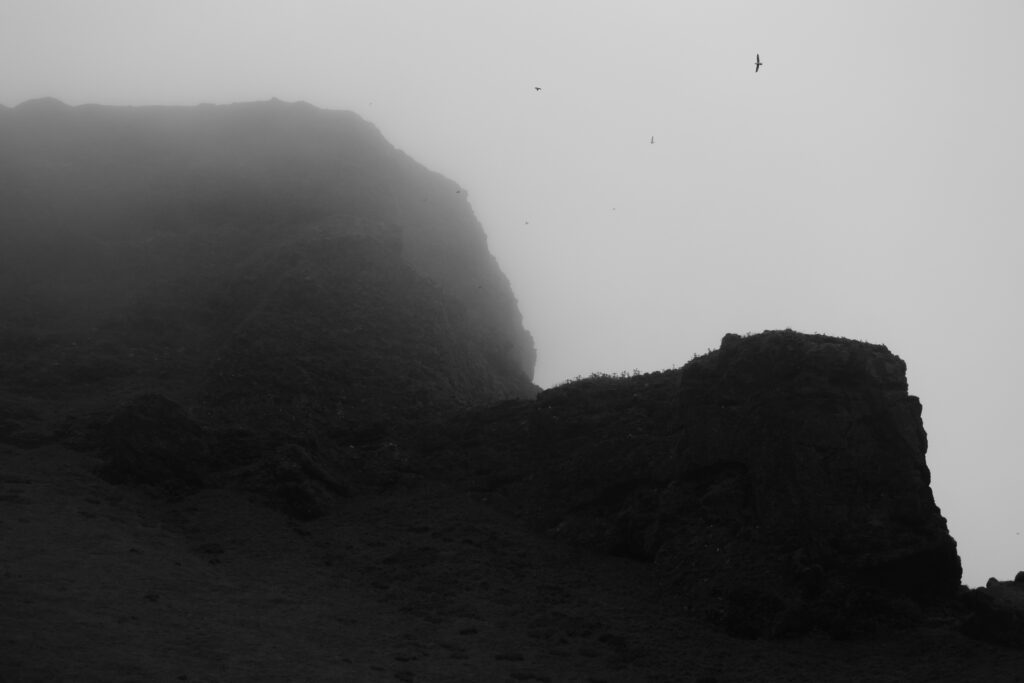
x: 813, y: 447
x: 779, y: 483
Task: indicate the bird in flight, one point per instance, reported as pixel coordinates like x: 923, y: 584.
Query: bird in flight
x: 537, y: 88
x: 757, y: 64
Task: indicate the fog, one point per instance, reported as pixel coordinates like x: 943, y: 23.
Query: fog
x: 866, y: 182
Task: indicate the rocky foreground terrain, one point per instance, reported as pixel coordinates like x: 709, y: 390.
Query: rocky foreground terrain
x: 266, y: 414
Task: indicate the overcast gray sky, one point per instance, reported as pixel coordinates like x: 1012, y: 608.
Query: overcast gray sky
x: 866, y: 183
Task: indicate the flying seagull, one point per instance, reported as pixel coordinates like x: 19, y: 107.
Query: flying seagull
x: 757, y: 64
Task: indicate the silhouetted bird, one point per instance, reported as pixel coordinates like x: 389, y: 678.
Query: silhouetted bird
x: 537, y: 88
x: 757, y: 64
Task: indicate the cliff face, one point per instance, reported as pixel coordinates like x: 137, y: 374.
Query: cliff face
x: 271, y: 298
x: 268, y: 260
x: 815, y: 441
x: 778, y: 484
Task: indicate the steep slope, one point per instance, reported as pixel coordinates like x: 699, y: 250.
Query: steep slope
x: 263, y: 261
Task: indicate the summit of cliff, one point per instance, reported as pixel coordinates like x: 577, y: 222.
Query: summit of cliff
x: 257, y: 261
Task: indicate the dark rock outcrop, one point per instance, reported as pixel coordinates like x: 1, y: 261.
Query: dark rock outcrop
x: 828, y: 449
x: 778, y: 484
x: 813, y: 447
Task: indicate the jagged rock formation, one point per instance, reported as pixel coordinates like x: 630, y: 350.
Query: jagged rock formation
x: 267, y: 263
x: 778, y: 483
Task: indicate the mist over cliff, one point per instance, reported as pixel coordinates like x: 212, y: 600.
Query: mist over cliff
x: 266, y: 260
x: 259, y: 367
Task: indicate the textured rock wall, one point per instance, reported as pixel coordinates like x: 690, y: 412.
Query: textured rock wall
x: 829, y: 449
x: 777, y: 484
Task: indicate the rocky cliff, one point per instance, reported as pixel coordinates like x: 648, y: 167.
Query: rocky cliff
x: 269, y: 303
x: 778, y: 484
x: 267, y: 263
x: 812, y: 446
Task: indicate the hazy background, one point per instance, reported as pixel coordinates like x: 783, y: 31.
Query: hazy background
x: 866, y: 183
